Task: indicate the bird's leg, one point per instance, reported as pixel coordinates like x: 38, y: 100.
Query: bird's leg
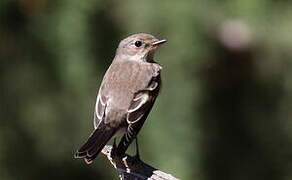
x: 115, y: 143
x: 137, y: 149
x: 114, y: 147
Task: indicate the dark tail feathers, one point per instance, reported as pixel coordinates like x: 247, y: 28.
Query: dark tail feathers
x: 95, y: 143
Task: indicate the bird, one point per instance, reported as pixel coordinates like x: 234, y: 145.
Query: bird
x: 126, y: 96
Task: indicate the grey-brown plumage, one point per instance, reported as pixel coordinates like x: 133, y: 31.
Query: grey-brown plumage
x: 126, y: 95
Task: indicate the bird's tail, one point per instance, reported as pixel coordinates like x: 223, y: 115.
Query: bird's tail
x: 95, y: 143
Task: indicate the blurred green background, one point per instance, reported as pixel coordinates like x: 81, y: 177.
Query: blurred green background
x: 224, y: 111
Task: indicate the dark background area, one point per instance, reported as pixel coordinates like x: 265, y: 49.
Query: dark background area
x: 224, y: 111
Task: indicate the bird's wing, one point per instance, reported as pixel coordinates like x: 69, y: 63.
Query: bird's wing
x: 142, y: 101
x: 138, y: 111
x: 101, y: 134
x: 100, y: 107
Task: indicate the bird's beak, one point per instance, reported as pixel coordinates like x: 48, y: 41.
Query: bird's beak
x: 159, y: 42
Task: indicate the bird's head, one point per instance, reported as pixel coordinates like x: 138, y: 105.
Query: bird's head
x: 138, y: 47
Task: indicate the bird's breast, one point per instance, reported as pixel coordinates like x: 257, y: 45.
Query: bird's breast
x: 124, y: 79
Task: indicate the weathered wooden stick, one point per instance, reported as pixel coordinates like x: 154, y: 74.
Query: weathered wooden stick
x: 131, y: 168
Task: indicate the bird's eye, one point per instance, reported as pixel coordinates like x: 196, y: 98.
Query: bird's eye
x: 138, y: 43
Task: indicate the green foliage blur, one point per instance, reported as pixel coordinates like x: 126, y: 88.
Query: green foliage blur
x: 224, y: 111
